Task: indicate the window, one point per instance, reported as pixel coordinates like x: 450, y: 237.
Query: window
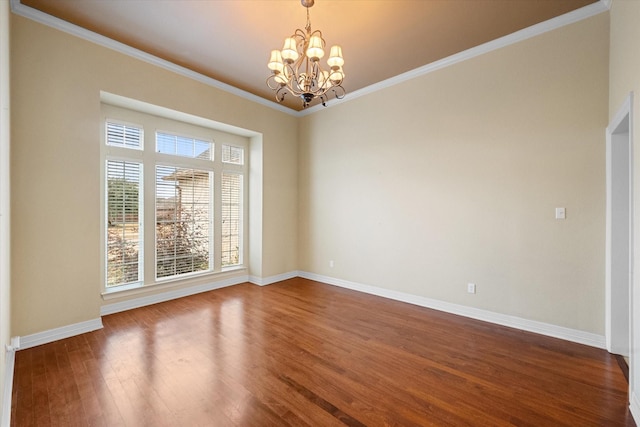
x: 183, y: 235
x: 121, y: 135
x: 231, y: 218
x: 183, y: 146
x: 123, y: 222
x: 174, y: 206
x: 231, y: 154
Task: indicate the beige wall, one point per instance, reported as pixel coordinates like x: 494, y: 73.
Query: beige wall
x: 624, y: 56
x: 625, y: 78
x: 421, y: 188
x: 453, y: 177
x: 56, y: 84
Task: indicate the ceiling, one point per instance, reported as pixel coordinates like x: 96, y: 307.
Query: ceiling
x: 230, y: 40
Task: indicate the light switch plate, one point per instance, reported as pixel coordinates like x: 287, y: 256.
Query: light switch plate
x: 561, y: 213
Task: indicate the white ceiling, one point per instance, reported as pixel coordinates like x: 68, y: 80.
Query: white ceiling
x: 230, y: 40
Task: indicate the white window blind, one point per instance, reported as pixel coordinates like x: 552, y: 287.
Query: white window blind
x: 120, y: 135
x: 231, y: 219
x: 123, y: 222
x: 183, y: 146
x: 189, y: 221
x: 183, y: 231
x: 232, y: 154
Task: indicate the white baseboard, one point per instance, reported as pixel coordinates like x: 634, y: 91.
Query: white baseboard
x: 8, y: 388
x: 263, y: 281
x: 568, y: 334
x: 547, y: 329
x: 56, y: 334
x: 634, y: 407
x: 92, y: 325
x: 167, y: 296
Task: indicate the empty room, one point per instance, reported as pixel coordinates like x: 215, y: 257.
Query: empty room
x: 319, y: 213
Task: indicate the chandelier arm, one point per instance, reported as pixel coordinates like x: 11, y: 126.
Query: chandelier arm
x: 319, y: 33
x: 313, y: 84
x: 272, y: 83
x: 280, y: 93
x: 336, y: 88
x: 326, y: 83
x: 299, y: 35
x: 339, y: 94
x: 292, y: 82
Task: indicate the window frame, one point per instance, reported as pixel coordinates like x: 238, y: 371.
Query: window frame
x: 105, y: 228
x: 150, y: 158
x: 210, y: 226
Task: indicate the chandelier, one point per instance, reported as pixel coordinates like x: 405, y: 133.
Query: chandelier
x: 296, y: 69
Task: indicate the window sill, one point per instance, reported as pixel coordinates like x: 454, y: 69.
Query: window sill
x: 139, y: 288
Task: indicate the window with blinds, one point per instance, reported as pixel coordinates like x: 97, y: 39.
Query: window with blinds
x: 123, y: 222
x: 121, y: 135
x: 180, y: 195
x: 231, y: 219
x: 183, y: 146
x: 183, y: 208
x: 233, y: 155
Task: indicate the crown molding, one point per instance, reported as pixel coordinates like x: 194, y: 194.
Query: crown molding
x: 552, y: 24
x: 524, y: 34
x: 35, y: 15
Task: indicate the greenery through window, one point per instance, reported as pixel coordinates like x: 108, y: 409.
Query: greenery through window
x: 182, y: 220
x: 123, y: 222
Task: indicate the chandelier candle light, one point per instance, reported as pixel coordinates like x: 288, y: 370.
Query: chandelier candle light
x: 296, y: 68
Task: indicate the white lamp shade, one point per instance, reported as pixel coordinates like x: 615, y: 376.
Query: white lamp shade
x: 290, y: 50
x: 335, y: 57
x: 315, y: 50
x: 275, y: 62
x: 337, y: 76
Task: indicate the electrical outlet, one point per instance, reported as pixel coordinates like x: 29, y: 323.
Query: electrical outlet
x: 331, y: 263
x: 471, y: 288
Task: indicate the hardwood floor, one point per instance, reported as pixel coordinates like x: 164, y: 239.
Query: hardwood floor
x: 300, y: 353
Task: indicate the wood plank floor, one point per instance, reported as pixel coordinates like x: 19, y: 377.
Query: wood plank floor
x: 299, y: 353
